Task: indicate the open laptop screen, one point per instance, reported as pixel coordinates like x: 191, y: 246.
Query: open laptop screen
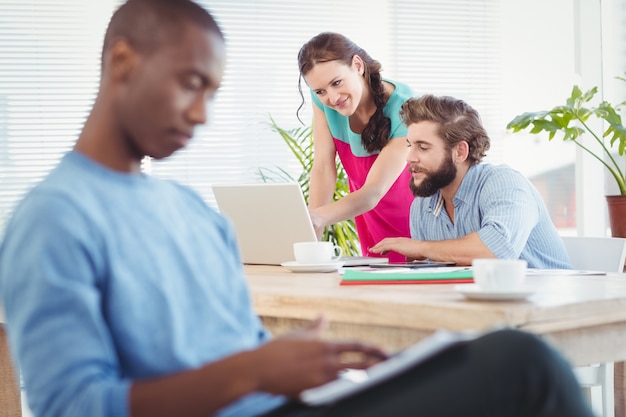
x: 268, y: 218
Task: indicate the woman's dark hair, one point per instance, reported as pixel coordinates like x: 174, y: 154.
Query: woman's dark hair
x: 329, y: 46
x: 457, y: 121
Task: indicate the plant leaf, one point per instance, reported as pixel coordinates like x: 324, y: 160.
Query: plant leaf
x: 300, y: 143
x: 571, y: 120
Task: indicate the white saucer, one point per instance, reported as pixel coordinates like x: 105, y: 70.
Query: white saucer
x: 473, y: 292
x: 294, y: 266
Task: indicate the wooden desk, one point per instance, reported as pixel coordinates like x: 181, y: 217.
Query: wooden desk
x: 10, y: 401
x: 582, y: 316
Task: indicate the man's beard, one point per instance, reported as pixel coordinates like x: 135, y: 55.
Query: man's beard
x: 434, y: 181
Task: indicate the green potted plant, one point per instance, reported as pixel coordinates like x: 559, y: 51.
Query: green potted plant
x: 300, y: 142
x: 571, y: 121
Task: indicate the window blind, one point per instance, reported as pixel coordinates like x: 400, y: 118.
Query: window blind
x: 263, y: 39
x: 49, y: 66
x: 474, y: 49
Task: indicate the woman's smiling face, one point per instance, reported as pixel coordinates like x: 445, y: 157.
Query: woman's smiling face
x: 337, y: 85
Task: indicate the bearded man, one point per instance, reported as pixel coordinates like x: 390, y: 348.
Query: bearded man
x: 465, y: 209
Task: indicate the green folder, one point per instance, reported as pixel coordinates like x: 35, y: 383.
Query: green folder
x: 409, y: 276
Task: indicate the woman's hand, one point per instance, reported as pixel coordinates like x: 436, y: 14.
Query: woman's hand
x: 318, y: 223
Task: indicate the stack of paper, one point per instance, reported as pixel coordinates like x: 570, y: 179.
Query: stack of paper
x: 439, y: 275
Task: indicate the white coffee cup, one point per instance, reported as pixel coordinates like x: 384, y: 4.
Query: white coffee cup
x: 316, y: 252
x: 492, y: 274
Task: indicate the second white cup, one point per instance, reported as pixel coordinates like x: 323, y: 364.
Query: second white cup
x: 316, y: 252
x: 493, y: 274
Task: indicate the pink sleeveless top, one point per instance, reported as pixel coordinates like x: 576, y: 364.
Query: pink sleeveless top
x: 390, y: 218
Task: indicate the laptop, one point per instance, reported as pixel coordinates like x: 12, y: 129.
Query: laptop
x: 268, y: 219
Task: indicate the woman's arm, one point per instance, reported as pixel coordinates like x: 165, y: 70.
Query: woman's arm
x: 324, y: 171
x: 384, y: 172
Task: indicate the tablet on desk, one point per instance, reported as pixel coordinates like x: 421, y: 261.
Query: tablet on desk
x: 412, y: 264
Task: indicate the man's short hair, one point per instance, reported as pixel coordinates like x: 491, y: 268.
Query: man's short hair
x: 146, y: 24
x: 457, y: 121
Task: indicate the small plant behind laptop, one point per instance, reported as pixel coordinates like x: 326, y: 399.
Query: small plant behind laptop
x: 300, y: 142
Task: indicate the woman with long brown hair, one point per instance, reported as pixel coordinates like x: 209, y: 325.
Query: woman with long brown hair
x: 356, y: 116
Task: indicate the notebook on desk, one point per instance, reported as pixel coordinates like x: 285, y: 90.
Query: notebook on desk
x: 269, y: 218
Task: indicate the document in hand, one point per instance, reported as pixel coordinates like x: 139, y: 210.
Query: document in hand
x: 396, y: 364
x: 436, y: 275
